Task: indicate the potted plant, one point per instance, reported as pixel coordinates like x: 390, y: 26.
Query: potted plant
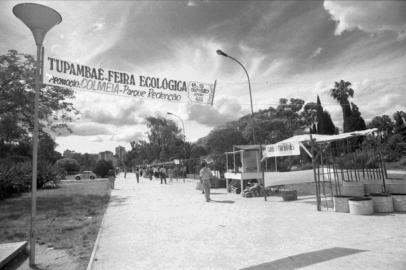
x: 361, y: 206
x: 399, y: 202
x: 341, y: 203
x: 382, y: 202
x: 289, y: 195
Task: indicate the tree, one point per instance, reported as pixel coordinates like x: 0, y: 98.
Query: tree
x: 46, y: 149
x: 352, y: 119
x: 223, y: 138
x: 17, y: 79
x: 103, y: 167
x: 317, y: 119
x: 383, y: 123
x: 341, y: 92
x: 69, y: 165
x: 400, y: 122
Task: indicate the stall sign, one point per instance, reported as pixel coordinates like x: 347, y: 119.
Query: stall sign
x: 282, y: 149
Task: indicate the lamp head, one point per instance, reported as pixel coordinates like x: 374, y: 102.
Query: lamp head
x: 169, y: 113
x: 38, y: 18
x: 220, y: 52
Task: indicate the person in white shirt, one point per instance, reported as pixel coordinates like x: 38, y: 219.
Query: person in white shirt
x: 205, y: 176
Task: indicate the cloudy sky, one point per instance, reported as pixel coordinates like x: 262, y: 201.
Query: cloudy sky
x: 290, y: 49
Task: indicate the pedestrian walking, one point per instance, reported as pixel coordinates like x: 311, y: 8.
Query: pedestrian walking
x: 156, y: 172
x: 162, y: 173
x: 205, y: 175
x: 137, y: 174
x: 176, y: 173
x: 112, y: 178
x: 183, y: 171
x: 150, y: 173
x: 170, y: 174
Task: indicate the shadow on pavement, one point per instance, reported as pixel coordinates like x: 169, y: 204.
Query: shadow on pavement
x: 217, y: 193
x: 305, y: 259
x: 224, y: 201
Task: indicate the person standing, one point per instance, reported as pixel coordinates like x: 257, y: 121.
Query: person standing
x: 137, y: 174
x: 183, y: 171
x: 162, y: 173
x: 150, y: 172
x: 205, y: 175
x: 170, y: 174
x: 112, y: 178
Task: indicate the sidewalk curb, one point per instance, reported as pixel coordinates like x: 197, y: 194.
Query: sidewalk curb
x: 96, y: 242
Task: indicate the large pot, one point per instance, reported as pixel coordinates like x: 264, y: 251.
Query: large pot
x: 398, y: 188
x: 355, y: 189
x: 361, y: 206
x: 341, y: 204
x: 289, y: 195
x: 399, y: 202
x: 382, y: 202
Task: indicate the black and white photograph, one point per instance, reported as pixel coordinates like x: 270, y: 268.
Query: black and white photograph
x: 202, y: 134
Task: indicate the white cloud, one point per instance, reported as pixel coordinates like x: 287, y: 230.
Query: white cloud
x: 369, y: 16
x: 225, y: 110
x: 99, y: 25
x: 135, y: 136
x: 316, y: 52
x: 85, y: 129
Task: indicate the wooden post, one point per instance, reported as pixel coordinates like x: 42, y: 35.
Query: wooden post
x: 315, y: 174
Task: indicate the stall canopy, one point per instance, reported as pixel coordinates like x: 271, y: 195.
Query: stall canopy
x: 329, y: 138
x: 290, y: 146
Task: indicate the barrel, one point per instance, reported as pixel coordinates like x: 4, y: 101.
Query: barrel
x: 399, y: 202
x: 341, y: 204
x: 382, y: 202
x: 361, y: 206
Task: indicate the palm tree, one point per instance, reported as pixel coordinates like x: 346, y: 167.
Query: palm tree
x: 341, y: 92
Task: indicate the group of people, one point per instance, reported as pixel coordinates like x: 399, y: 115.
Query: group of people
x: 205, y: 176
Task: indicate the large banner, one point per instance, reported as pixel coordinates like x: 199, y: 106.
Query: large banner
x: 58, y: 72
x: 282, y: 149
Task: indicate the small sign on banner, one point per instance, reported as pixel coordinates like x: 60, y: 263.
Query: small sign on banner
x: 282, y: 149
x: 62, y: 73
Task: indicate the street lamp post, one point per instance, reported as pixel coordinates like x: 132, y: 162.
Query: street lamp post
x: 183, y: 129
x: 39, y: 19
x: 221, y: 53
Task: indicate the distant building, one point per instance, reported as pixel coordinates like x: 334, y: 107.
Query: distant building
x: 120, y: 154
x: 106, y: 155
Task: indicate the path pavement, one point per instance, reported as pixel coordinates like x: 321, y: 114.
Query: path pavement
x: 154, y: 226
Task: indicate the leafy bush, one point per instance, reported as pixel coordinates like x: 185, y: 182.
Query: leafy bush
x: 102, y: 168
x: 393, y: 149
x: 14, y: 177
x: 69, y: 165
x: 48, y: 175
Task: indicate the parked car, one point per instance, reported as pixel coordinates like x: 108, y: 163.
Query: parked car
x: 85, y: 175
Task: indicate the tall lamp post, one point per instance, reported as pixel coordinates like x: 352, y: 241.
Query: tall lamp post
x: 221, y: 53
x: 39, y: 19
x: 183, y: 129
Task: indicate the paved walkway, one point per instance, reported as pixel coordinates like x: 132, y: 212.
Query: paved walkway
x: 154, y: 226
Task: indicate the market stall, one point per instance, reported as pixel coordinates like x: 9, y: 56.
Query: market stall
x: 243, y: 164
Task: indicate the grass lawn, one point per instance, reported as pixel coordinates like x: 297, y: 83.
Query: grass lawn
x: 67, y: 217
